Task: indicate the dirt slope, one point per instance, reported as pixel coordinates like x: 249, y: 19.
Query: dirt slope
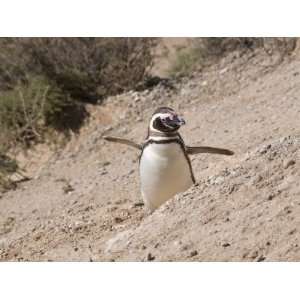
x: 85, y: 204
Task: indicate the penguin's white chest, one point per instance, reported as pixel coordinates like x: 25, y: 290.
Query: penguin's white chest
x: 164, y: 172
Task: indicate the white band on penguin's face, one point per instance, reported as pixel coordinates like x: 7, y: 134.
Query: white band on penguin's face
x: 160, y: 115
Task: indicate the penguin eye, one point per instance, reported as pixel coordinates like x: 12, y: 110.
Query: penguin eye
x: 166, y: 118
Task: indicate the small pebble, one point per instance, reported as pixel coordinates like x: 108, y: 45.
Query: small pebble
x: 261, y: 258
x: 256, y: 179
x: 130, y: 172
x: 106, y: 163
x: 118, y: 220
x: 150, y: 257
x: 293, y: 231
x: 193, y: 253
x: 288, y: 163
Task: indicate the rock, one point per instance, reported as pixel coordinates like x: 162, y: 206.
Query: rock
x: 193, y: 253
x: 184, y: 247
x: 293, y: 231
x: 106, y: 163
x: 130, y: 172
x: 136, y: 99
x: 225, y: 245
x: 223, y: 71
x: 177, y: 243
x: 261, y: 258
x: 184, y: 92
x: 37, y: 237
x: 108, y: 128
x: 256, y: 179
x: 123, y: 130
x: 150, y: 257
x: 138, y: 204
x: 219, y: 180
x: 265, y: 149
x: 118, y: 220
x: 288, y: 163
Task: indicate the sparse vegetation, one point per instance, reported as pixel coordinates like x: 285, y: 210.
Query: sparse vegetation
x: 92, y: 68
x: 28, y: 111
x: 186, y: 61
x: 8, y: 166
x: 206, y: 51
x: 45, y: 82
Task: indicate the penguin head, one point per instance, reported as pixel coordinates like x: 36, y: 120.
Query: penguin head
x: 165, y: 119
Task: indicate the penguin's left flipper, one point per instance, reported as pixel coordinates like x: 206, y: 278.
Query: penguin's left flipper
x: 212, y: 150
x: 123, y: 141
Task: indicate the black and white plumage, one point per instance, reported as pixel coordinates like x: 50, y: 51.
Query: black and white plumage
x: 165, y: 167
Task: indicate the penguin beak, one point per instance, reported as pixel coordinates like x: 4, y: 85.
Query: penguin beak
x: 174, y: 121
x: 178, y: 120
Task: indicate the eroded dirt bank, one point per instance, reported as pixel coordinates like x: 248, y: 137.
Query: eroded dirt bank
x: 84, y: 203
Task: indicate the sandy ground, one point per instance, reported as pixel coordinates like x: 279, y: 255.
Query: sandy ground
x: 84, y: 203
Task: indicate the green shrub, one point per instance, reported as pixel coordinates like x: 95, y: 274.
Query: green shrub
x: 45, y: 83
x: 21, y: 111
x: 185, y: 62
x: 29, y: 110
x: 86, y: 68
x: 14, y: 63
x: 5, y: 183
x: 206, y: 51
x: 62, y: 112
x: 91, y: 68
x: 7, y: 167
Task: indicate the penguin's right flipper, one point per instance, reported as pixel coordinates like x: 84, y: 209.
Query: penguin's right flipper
x: 123, y: 141
x: 203, y: 149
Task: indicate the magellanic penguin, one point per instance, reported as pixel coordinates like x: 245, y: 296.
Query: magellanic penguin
x: 164, y: 165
